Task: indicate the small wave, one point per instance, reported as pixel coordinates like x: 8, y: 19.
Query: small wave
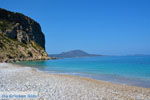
x: 5, y: 64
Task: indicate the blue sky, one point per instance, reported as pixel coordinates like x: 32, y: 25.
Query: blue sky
x: 114, y: 27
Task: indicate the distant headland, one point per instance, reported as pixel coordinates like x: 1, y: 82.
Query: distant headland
x: 73, y: 54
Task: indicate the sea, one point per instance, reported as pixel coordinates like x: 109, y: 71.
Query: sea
x: 128, y: 70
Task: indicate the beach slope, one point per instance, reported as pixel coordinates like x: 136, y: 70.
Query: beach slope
x: 65, y: 87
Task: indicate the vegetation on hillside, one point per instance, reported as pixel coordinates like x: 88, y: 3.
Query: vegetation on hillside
x: 5, y: 25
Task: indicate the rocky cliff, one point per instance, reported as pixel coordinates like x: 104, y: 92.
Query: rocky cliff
x: 21, y: 38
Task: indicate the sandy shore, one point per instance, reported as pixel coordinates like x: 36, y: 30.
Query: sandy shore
x: 65, y: 87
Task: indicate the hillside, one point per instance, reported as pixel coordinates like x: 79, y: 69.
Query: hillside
x: 21, y: 38
x: 73, y: 53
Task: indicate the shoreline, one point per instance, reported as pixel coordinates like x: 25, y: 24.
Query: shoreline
x: 78, y: 76
x: 26, y: 59
x: 65, y: 86
x: 115, y: 79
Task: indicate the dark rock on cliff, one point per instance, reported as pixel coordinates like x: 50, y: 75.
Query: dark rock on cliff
x: 21, y: 38
x: 20, y: 27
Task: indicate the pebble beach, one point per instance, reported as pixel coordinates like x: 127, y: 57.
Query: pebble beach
x: 64, y: 87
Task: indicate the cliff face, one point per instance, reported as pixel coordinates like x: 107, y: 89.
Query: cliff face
x: 21, y: 37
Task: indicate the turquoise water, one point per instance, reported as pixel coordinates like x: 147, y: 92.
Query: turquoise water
x: 131, y: 70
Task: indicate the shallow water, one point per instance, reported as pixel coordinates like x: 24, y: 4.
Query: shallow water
x: 131, y: 70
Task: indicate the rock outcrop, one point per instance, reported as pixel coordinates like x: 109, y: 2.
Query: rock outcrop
x: 21, y: 38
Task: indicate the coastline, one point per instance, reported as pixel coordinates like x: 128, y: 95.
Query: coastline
x: 65, y: 87
x: 26, y: 59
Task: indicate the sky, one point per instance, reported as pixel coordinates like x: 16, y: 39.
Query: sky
x: 109, y: 27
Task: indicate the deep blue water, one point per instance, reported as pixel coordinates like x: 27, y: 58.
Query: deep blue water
x: 131, y: 70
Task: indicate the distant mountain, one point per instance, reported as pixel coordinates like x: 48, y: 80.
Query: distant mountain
x: 73, y: 54
x: 139, y: 55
